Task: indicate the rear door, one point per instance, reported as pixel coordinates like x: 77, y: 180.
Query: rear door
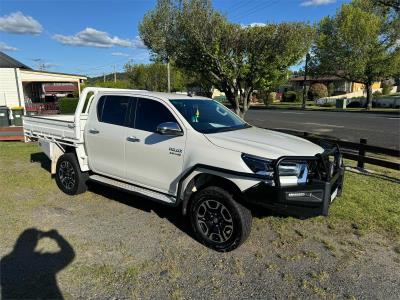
x: 105, y: 134
x: 153, y: 160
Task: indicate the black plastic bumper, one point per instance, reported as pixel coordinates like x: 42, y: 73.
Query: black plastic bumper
x: 310, y: 199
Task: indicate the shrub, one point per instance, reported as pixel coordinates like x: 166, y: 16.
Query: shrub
x: 317, y: 91
x: 331, y: 89
x: 67, y: 105
x: 289, y: 96
x: 386, y: 88
x: 270, y: 98
x: 354, y: 104
x: 377, y: 93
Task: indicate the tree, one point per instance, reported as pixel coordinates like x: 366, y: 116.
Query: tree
x: 156, y: 31
x: 151, y: 77
x: 359, y: 44
x: 235, y: 59
x: 395, y: 4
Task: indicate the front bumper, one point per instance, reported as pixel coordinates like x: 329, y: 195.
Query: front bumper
x: 310, y: 199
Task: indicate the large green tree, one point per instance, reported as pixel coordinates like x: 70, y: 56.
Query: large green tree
x: 152, y: 77
x: 360, y: 44
x: 235, y: 59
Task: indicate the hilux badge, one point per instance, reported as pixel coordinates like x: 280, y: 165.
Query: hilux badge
x: 175, y: 151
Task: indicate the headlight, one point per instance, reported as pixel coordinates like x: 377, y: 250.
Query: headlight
x: 289, y: 172
x: 295, y: 169
x: 259, y: 165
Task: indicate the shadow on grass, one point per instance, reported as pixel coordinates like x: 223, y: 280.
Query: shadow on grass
x: 171, y: 213
x: 30, y: 274
x: 41, y: 158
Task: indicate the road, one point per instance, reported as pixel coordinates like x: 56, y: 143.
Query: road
x: 379, y: 129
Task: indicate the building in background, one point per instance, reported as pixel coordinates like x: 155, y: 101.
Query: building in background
x: 25, y: 87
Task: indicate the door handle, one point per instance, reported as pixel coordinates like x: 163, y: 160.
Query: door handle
x: 94, y: 131
x: 132, y: 139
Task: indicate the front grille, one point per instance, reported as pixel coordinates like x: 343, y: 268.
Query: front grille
x: 321, y: 167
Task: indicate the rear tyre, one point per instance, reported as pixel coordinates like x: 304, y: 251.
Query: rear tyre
x: 69, y: 177
x: 218, y: 221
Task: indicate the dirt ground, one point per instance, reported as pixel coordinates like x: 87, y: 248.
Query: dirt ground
x: 107, y: 244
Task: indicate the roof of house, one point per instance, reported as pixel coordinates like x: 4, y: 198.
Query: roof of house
x: 9, y: 62
x: 319, y: 78
x: 57, y: 73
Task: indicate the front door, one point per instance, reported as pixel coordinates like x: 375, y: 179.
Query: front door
x: 105, y: 134
x: 153, y: 160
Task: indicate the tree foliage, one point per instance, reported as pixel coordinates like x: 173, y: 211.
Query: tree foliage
x: 235, y: 59
x: 360, y: 43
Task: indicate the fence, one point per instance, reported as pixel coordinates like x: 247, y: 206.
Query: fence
x: 355, y: 151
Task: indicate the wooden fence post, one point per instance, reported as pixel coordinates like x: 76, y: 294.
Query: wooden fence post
x: 361, y: 154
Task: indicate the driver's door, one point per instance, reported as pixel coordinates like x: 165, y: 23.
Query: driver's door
x: 153, y: 160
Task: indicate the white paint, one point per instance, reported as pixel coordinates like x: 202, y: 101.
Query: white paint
x: 325, y: 125
x: 8, y: 87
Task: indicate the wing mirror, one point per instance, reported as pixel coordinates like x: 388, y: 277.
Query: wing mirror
x: 169, y: 128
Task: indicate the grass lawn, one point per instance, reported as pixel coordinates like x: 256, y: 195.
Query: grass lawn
x: 128, y: 247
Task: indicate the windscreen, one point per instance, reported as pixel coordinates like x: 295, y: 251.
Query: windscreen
x: 208, y: 116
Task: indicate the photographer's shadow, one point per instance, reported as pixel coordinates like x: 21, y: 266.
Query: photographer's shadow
x: 27, y: 274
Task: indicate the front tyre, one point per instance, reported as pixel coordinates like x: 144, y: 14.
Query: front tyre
x: 218, y: 221
x: 70, y: 179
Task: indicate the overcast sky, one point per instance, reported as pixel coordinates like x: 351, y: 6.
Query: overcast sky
x: 91, y: 36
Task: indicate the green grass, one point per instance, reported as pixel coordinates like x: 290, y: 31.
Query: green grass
x: 368, y: 204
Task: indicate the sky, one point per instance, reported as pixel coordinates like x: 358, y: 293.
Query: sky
x: 92, y: 37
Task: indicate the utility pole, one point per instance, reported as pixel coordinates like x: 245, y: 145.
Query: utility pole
x: 303, y: 106
x: 169, y: 76
x: 115, y: 74
x: 104, y: 77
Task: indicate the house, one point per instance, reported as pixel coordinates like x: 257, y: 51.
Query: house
x: 339, y: 85
x: 23, y: 86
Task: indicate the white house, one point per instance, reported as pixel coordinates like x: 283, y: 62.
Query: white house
x: 20, y: 85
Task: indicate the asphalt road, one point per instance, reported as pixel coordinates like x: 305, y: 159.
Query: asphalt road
x: 379, y: 129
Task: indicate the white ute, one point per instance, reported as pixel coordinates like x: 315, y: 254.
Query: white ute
x: 191, y: 152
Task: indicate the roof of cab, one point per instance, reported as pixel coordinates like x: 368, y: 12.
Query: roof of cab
x: 150, y: 93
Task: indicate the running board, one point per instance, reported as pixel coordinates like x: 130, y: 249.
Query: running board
x: 133, y: 188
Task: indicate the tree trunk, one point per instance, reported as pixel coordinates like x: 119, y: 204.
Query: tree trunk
x: 368, y: 86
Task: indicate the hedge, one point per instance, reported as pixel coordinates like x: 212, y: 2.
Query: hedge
x: 292, y: 96
x: 67, y: 105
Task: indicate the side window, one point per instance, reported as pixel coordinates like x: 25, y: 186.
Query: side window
x: 113, y: 109
x: 150, y: 113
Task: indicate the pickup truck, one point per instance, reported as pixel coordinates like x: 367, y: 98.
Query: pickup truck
x: 189, y: 152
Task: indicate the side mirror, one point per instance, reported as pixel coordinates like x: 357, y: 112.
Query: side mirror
x: 169, y: 128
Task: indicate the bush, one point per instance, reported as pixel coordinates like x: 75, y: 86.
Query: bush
x: 377, y: 93
x: 289, y: 96
x: 354, y: 104
x: 317, y: 91
x: 67, y: 105
x: 270, y: 98
x: 386, y: 88
x: 331, y: 89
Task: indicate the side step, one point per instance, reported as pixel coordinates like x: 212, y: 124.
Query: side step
x: 133, y: 188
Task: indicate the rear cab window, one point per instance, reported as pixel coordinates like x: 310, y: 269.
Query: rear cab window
x: 114, y: 109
